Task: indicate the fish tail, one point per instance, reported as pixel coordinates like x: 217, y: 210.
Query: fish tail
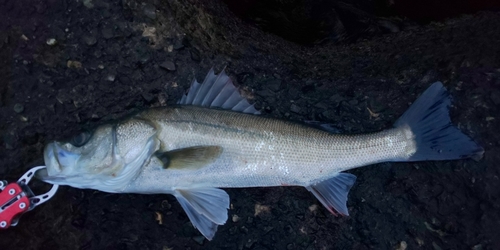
x: 435, y: 136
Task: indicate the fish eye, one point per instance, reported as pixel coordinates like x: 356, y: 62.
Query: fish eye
x: 80, y: 139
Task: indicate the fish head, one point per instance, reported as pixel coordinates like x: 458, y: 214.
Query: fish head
x: 106, y: 159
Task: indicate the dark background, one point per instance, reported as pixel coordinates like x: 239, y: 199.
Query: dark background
x: 356, y: 65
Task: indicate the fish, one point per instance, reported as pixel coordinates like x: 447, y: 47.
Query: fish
x: 213, y: 138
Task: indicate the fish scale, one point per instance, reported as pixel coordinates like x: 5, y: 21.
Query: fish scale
x: 254, y: 146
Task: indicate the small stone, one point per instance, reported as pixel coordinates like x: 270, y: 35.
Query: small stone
x: 51, y: 41
x: 199, y: 239
x: 74, y: 64
x: 170, y: 48
x: 477, y: 247
x: 401, y: 246
x: 294, y: 108
x: 293, y: 93
x: 388, y: 25
x: 90, y: 40
x: 148, y: 97
x: 265, y: 93
x: 435, y: 246
x: 107, y: 33
x: 110, y: 78
x: 178, y: 45
x: 168, y: 65
x: 24, y: 37
x: 9, y: 140
x: 18, y: 108
x: 274, y: 85
x: 88, y: 4
x: 249, y: 243
x: 150, y: 11
x: 195, y: 55
x: 235, y: 218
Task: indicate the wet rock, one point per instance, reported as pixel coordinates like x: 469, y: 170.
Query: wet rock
x: 150, y: 11
x: 18, y: 108
x: 168, y: 65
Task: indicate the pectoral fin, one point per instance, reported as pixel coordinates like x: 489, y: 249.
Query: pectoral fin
x: 332, y: 193
x: 189, y: 158
x: 205, y: 207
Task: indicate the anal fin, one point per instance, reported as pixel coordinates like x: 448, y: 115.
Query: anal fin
x: 332, y: 193
x: 205, y: 207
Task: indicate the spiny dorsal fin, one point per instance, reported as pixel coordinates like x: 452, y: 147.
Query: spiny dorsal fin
x: 189, y: 158
x: 217, y: 91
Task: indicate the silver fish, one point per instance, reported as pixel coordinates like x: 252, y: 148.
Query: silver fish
x: 214, y: 139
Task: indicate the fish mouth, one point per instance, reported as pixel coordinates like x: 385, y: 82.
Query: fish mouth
x: 50, y: 158
x: 56, y: 160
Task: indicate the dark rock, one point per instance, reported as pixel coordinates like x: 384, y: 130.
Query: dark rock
x: 195, y: 55
x: 168, y: 65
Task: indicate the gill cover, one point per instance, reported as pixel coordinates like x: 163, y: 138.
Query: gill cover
x: 108, y: 161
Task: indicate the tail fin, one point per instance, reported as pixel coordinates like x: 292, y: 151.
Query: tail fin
x: 436, y: 138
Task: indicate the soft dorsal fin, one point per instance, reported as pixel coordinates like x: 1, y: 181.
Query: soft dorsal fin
x: 217, y: 91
